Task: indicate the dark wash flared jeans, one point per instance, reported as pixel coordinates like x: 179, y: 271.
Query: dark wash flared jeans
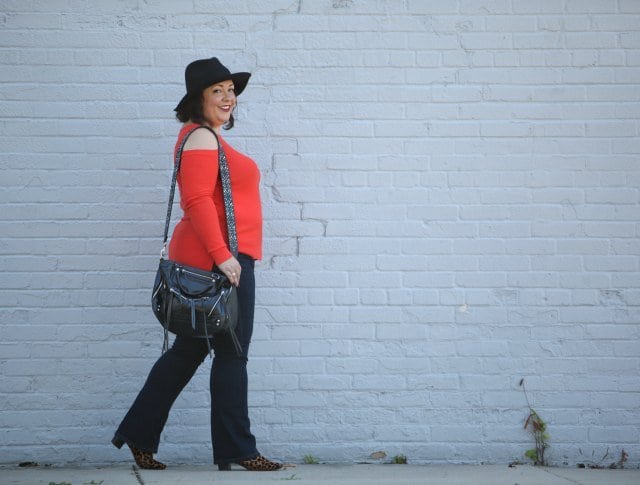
x: 230, y: 427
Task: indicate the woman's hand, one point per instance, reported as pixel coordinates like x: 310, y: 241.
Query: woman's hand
x: 231, y: 269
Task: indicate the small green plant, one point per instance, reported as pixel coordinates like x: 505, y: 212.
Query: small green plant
x: 538, y: 428
x: 94, y: 482
x: 292, y: 477
x: 59, y: 483
x: 399, y: 460
x: 310, y: 460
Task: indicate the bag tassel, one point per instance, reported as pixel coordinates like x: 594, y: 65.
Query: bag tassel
x: 192, y: 304
x: 206, y: 332
x: 165, y: 342
x: 236, y: 343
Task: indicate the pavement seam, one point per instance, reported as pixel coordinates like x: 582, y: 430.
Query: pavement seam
x: 560, y: 476
x: 137, y: 474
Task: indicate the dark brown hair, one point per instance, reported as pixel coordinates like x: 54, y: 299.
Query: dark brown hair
x: 191, y: 109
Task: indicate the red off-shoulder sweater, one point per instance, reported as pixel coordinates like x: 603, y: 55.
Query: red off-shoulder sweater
x: 200, y: 238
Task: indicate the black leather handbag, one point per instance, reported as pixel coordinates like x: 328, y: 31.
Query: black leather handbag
x: 188, y: 301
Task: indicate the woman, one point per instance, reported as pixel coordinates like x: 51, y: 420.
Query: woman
x: 199, y: 240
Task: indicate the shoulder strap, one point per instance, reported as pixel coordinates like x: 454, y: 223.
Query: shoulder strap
x: 223, y: 170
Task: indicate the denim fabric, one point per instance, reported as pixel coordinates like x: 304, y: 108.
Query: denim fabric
x: 230, y: 427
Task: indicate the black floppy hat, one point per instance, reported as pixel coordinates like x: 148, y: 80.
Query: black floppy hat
x: 205, y: 72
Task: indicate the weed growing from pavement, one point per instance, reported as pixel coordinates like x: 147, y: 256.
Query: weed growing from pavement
x: 310, y: 460
x: 538, y: 428
x: 399, y: 460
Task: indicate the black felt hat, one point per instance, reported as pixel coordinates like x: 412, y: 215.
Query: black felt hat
x: 204, y: 72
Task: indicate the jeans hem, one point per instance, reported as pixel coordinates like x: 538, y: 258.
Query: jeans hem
x: 118, y: 440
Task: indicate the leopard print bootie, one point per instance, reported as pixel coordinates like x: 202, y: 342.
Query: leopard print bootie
x: 257, y: 464
x: 144, y: 459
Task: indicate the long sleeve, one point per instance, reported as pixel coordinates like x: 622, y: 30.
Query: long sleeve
x: 197, y: 179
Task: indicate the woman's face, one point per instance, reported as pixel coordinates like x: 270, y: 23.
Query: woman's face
x: 218, y: 101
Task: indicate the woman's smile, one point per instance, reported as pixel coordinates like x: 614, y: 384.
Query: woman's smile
x: 218, y: 102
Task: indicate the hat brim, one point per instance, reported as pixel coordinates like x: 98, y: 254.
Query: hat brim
x: 240, y: 81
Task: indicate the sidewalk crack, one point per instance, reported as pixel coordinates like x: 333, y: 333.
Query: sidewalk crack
x: 137, y: 474
x: 560, y: 476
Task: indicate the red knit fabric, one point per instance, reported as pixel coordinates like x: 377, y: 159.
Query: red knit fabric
x: 200, y: 238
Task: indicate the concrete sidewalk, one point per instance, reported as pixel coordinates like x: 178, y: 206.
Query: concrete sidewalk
x: 321, y: 475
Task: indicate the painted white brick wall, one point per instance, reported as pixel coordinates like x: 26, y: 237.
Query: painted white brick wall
x: 451, y: 204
